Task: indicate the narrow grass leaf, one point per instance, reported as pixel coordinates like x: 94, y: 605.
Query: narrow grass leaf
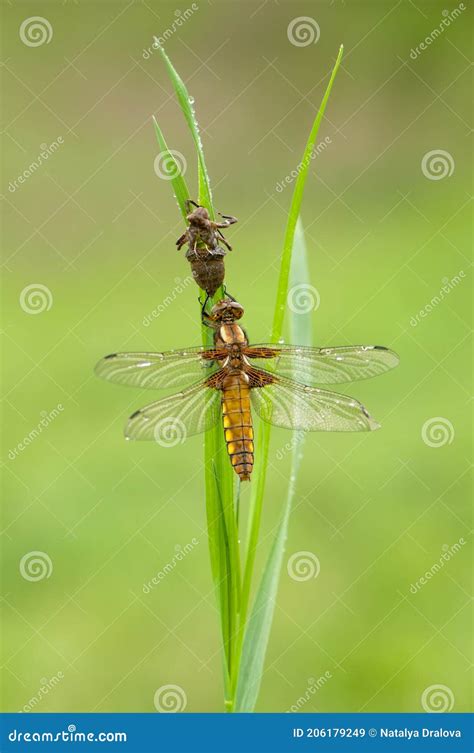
x: 187, y: 106
x: 295, y: 208
x: 261, y: 616
x: 263, y: 440
x: 219, y: 475
x: 180, y: 188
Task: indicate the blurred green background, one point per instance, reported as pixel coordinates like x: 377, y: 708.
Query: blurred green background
x: 96, y: 226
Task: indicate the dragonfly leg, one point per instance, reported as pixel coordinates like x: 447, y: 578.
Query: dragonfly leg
x: 204, y: 315
x: 229, y: 220
x: 181, y: 240
x: 224, y: 240
x: 207, y: 321
x: 188, y: 203
x: 228, y: 295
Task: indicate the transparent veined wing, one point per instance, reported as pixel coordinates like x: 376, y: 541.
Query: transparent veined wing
x: 291, y: 405
x: 347, y: 363
x: 175, y: 368
x: 171, y: 420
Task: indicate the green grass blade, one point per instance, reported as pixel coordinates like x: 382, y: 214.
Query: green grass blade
x: 263, y: 434
x: 221, y: 558
x: 219, y: 475
x: 263, y: 440
x: 280, y: 307
x: 259, y: 625
x: 295, y: 208
x: 300, y: 323
x: 180, y: 188
x: 187, y: 106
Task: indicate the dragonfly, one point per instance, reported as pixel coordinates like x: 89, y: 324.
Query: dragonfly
x: 278, y: 382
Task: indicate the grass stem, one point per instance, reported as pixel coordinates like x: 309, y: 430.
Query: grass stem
x: 264, y: 429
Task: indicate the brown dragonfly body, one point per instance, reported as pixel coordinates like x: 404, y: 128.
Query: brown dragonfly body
x: 235, y: 389
x: 205, y: 252
x: 237, y: 384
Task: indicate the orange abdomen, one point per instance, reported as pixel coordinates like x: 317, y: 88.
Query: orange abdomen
x: 237, y: 420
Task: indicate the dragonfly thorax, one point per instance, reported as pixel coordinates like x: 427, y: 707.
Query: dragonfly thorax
x: 232, y: 337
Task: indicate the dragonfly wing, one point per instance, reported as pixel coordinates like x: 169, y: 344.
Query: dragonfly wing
x: 348, y: 363
x: 291, y: 405
x: 175, y: 368
x: 171, y: 420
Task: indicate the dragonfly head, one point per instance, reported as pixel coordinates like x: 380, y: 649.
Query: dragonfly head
x: 227, y: 311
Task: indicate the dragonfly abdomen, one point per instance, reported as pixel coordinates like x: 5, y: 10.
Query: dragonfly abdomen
x: 237, y: 420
